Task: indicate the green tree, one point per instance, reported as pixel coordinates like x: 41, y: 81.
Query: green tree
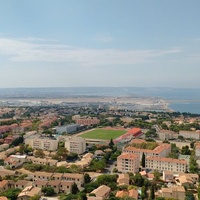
x: 192, y: 144
x: 143, y: 192
x: 189, y: 195
x: 11, y: 193
x: 143, y: 160
x: 35, y: 197
x: 48, y: 191
x: 39, y: 153
x: 87, y: 178
x: 156, y: 176
x: 75, y: 189
x: 111, y: 143
x: 138, y: 180
x: 185, y: 150
x: 193, y: 166
x: 152, y: 192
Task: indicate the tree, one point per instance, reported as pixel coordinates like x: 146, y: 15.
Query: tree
x: 82, y: 196
x: 193, y: 166
x: 185, y: 150
x: 48, y: 191
x: 152, y: 192
x: 87, y: 178
x: 75, y: 168
x: 192, y: 144
x: 189, y: 195
x: 156, y: 176
x: 35, y: 197
x: 62, y: 153
x: 75, y: 189
x: 143, y: 192
x: 11, y: 193
x: 143, y: 159
x: 111, y: 143
x: 39, y: 153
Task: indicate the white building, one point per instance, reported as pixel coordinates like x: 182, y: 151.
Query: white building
x: 167, y: 135
x: 43, y: 143
x: 75, y: 144
x: 169, y: 164
x: 190, y: 134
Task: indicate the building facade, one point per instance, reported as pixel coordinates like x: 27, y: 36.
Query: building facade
x: 190, y: 134
x: 75, y: 144
x: 128, y: 162
x: 162, y: 150
x: 72, y: 128
x: 43, y: 143
x: 169, y: 164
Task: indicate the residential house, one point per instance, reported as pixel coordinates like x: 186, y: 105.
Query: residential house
x: 77, y: 178
x: 4, y: 185
x: 15, y: 161
x: 55, y: 185
x: 21, y: 184
x: 168, y: 176
x: 40, y: 183
x: 29, y: 192
x: 130, y: 193
x: 101, y: 193
x: 66, y: 186
x: 176, y: 192
x: 42, y: 176
x: 123, y: 179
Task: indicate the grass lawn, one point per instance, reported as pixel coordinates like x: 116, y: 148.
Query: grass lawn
x: 103, y: 134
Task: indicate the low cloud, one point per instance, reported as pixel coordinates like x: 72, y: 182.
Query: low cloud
x: 34, y: 50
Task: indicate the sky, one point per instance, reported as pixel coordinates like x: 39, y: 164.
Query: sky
x: 100, y: 43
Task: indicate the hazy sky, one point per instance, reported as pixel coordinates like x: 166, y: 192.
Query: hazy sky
x: 72, y: 43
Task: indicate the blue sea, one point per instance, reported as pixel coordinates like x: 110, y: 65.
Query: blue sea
x: 191, y: 107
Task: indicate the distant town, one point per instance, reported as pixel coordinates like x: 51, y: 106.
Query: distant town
x: 98, y: 148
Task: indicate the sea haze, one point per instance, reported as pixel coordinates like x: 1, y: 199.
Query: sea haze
x: 181, y: 99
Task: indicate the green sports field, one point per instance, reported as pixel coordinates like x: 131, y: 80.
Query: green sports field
x: 103, y: 134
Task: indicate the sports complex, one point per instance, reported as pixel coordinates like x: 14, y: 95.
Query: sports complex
x: 116, y: 134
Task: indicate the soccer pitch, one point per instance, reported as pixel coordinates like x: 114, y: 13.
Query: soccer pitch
x: 103, y: 134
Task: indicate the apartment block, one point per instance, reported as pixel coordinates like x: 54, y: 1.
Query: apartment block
x: 162, y: 150
x: 190, y: 134
x: 167, y: 135
x: 169, y: 164
x: 128, y: 162
x: 43, y: 143
x: 75, y: 145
